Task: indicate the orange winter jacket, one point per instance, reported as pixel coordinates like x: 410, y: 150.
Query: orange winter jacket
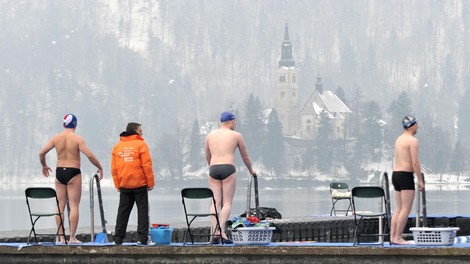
x: 131, y: 164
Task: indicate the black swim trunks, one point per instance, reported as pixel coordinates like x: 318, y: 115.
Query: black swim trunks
x: 403, y: 180
x: 221, y: 171
x: 64, y: 175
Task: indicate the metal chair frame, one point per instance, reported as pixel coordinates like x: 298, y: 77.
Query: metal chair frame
x: 370, y: 192
x: 343, y: 187
x: 200, y: 193
x: 43, y: 193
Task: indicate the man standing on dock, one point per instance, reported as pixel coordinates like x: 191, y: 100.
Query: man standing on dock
x: 131, y: 167
x: 406, y: 163
x: 220, y: 149
x: 68, y: 183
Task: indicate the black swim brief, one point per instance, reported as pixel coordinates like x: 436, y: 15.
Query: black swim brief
x: 64, y: 175
x: 403, y: 180
x: 221, y: 171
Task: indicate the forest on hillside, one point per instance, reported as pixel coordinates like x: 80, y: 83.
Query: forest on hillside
x: 175, y: 65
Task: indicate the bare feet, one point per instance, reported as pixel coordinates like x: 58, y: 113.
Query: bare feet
x: 400, y: 242
x: 217, y: 238
x: 61, y: 239
x: 74, y: 241
x: 224, y: 236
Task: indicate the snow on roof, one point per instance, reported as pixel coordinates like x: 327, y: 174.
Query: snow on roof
x: 333, y: 103
x: 318, y: 109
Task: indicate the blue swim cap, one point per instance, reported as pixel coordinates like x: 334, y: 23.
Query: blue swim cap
x: 70, y: 121
x: 408, y: 121
x: 226, y: 116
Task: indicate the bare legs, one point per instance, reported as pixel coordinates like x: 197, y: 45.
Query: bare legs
x: 404, y: 204
x: 223, y: 194
x: 74, y: 192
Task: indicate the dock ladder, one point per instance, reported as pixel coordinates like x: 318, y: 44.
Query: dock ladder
x: 101, y: 237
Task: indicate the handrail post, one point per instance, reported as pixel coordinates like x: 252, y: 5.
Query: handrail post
x: 248, y: 199
x: 381, y: 240
x: 92, y: 207
x: 92, y: 210
x: 384, y: 181
x: 418, y: 205
x: 100, y: 200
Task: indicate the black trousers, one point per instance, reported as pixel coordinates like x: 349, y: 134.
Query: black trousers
x: 127, y: 198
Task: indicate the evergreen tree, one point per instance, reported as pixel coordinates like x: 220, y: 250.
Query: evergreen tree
x: 435, y: 148
x: 325, y: 150
x: 253, y: 127
x: 341, y: 94
x: 273, y: 147
x: 357, y: 115
x: 398, y: 109
x: 371, y: 137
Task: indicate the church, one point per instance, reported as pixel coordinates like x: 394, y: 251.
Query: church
x: 302, y: 118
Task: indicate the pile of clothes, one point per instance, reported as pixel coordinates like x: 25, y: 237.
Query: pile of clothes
x: 251, y: 221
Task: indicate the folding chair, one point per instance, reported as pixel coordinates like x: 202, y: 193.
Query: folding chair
x: 339, y: 191
x: 197, y: 203
x: 370, y: 214
x: 47, y: 205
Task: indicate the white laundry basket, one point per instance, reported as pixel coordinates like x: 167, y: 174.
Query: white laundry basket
x: 252, y: 235
x: 434, y: 236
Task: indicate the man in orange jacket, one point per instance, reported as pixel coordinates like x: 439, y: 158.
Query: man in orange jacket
x: 131, y: 167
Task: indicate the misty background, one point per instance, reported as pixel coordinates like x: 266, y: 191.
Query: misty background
x: 175, y: 65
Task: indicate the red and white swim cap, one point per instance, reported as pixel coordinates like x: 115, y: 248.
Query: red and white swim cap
x: 70, y: 121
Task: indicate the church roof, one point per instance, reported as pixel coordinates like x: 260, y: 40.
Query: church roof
x: 326, y: 101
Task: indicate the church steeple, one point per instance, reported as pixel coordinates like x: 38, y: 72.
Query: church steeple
x: 286, y: 48
x: 287, y: 91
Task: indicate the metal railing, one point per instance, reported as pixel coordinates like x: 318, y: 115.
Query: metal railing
x: 92, y: 209
x: 384, y: 181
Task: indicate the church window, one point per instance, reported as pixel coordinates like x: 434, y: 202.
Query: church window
x: 282, y: 78
x: 294, y: 79
x: 282, y: 94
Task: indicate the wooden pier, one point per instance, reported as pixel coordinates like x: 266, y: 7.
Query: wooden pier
x: 300, y: 240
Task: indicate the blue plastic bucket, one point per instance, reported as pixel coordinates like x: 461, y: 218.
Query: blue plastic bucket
x: 161, y: 235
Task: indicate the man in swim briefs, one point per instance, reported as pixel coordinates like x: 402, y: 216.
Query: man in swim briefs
x: 220, y: 149
x: 406, y: 163
x: 68, y: 182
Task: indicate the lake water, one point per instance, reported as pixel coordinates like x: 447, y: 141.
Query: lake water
x: 297, y: 200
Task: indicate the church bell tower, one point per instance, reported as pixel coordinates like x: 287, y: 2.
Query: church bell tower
x: 286, y: 98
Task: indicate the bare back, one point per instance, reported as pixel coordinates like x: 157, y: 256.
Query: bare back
x: 404, y: 153
x: 68, y: 146
x: 221, y: 145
